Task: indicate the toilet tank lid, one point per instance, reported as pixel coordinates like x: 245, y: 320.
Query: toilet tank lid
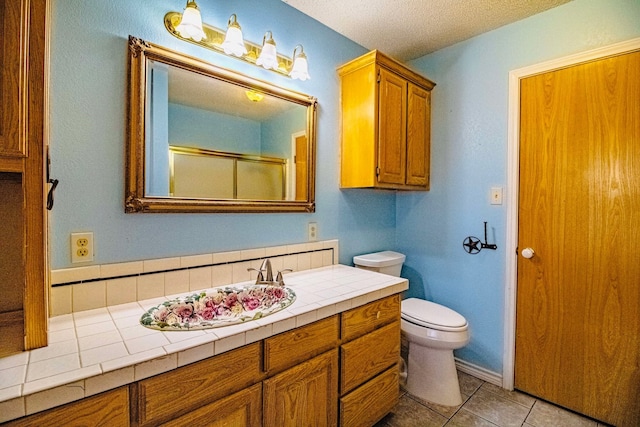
x: 379, y: 259
x: 427, y: 312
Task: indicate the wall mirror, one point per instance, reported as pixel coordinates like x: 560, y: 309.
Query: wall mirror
x: 207, y: 139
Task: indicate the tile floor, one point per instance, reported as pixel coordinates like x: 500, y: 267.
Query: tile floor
x: 484, y: 405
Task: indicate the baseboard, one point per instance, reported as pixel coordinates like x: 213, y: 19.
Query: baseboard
x: 478, y: 372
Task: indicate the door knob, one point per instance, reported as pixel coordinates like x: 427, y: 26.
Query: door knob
x: 528, y: 253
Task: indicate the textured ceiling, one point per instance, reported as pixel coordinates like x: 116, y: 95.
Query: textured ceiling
x: 409, y: 29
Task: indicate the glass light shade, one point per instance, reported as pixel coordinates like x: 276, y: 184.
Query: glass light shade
x: 300, y: 68
x: 268, y: 57
x: 190, y: 26
x: 233, y: 41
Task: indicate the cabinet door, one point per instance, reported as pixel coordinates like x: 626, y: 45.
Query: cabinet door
x: 392, y: 119
x: 305, y: 395
x: 243, y: 408
x: 418, y: 136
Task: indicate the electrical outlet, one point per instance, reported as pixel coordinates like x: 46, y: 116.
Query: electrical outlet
x: 312, y: 231
x: 81, y: 247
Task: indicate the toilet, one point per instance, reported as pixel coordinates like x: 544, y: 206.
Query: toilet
x: 433, y: 332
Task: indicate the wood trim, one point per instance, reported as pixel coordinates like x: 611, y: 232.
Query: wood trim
x: 513, y: 152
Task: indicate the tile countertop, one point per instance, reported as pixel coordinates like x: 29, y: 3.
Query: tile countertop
x: 96, y: 350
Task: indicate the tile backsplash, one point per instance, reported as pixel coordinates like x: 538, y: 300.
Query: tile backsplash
x: 86, y: 288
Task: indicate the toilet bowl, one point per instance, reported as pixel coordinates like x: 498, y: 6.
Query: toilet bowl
x: 433, y: 332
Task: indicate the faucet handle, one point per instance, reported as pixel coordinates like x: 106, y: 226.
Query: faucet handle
x: 279, y: 278
x: 260, y: 277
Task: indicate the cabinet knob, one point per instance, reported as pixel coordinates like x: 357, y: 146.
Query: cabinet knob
x: 378, y: 315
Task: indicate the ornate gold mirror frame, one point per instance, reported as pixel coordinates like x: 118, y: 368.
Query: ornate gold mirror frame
x: 141, y: 55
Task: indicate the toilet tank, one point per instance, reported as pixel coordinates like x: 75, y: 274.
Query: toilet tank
x: 386, y: 262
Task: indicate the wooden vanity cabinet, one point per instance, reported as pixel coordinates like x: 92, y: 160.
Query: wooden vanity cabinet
x: 23, y: 269
x: 369, y: 355
x: 386, y: 125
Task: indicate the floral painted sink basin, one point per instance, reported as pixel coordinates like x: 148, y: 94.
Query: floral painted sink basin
x: 218, y: 307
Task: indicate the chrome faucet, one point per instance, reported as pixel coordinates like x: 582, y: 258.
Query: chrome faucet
x: 268, y: 279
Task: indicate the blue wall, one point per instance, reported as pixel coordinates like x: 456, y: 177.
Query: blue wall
x: 87, y: 136
x: 469, y: 156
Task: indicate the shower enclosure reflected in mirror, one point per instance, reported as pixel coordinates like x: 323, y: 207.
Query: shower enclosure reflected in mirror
x: 206, y: 139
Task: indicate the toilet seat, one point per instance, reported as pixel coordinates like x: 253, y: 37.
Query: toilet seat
x: 431, y: 315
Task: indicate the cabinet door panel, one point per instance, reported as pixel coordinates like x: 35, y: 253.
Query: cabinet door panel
x: 367, y: 318
x: 367, y: 404
x: 305, y: 395
x: 392, y: 130
x: 241, y: 409
x: 418, y: 136
x: 367, y: 356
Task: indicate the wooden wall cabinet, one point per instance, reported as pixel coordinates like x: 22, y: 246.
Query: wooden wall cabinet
x: 386, y: 125
x: 23, y: 268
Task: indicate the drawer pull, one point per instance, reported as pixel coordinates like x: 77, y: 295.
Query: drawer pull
x: 378, y: 315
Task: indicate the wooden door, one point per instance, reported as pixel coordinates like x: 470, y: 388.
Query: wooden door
x: 418, y: 136
x: 578, y: 302
x: 392, y: 131
x: 305, y: 395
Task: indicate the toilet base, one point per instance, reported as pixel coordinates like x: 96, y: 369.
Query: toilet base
x: 432, y: 375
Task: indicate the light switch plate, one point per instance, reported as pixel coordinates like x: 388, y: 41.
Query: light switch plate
x: 496, y: 195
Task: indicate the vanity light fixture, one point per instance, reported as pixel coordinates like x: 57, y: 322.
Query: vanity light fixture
x: 188, y: 26
x: 233, y: 43
x: 268, y: 57
x: 254, y: 96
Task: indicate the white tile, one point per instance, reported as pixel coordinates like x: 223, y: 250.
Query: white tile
x: 150, y: 286
x: 12, y: 409
x: 125, y: 310
x: 195, y: 354
x: 132, y: 359
x: 275, y: 251
x: 221, y: 275
x: 61, y: 322
x: 50, y: 398
x: 146, y: 304
x: 121, y: 291
x: 163, y: 264
x: 304, y: 261
x: 188, y: 343
x: 223, y: 257
x: 95, y: 328
x: 306, y: 317
x: 229, y: 343
x: 11, y: 392
x: 147, y: 342
x: 176, y: 282
x: 127, y: 322
x: 259, y: 333
x: 156, y: 366
x: 196, y: 260
x: 136, y: 331
x: 121, y: 269
x: 300, y: 247
x: 62, y: 335
x: 327, y: 258
x: 291, y: 261
x: 54, y: 350
x: 177, y: 336
x: 13, y: 376
x: 326, y: 311
x: 99, y: 340
x: 97, y: 355
x: 88, y: 296
x: 60, y: 379
x: 14, y: 360
x: 75, y: 274
x: 240, y: 273
x: 108, y: 381
x: 199, y: 278
x: 316, y: 259
x: 91, y: 316
x: 284, y: 325
x: 53, y: 366
x: 60, y: 300
x: 252, y: 254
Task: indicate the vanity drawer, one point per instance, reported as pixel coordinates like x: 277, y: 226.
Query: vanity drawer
x: 367, y: 404
x: 369, y: 317
x: 182, y: 390
x: 292, y: 347
x: 367, y: 356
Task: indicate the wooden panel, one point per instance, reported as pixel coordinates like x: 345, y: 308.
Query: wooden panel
x: 392, y: 120
x: 367, y: 404
x: 305, y: 395
x: 578, y: 316
x: 107, y: 409
x: 177, y: 392
x: 362, y: 320
x: 243, y: 408
x: 12, y: 332
x: 367, y: 356
x: 358, y: 97
x: 418, y: 136
x: 292, y: 347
